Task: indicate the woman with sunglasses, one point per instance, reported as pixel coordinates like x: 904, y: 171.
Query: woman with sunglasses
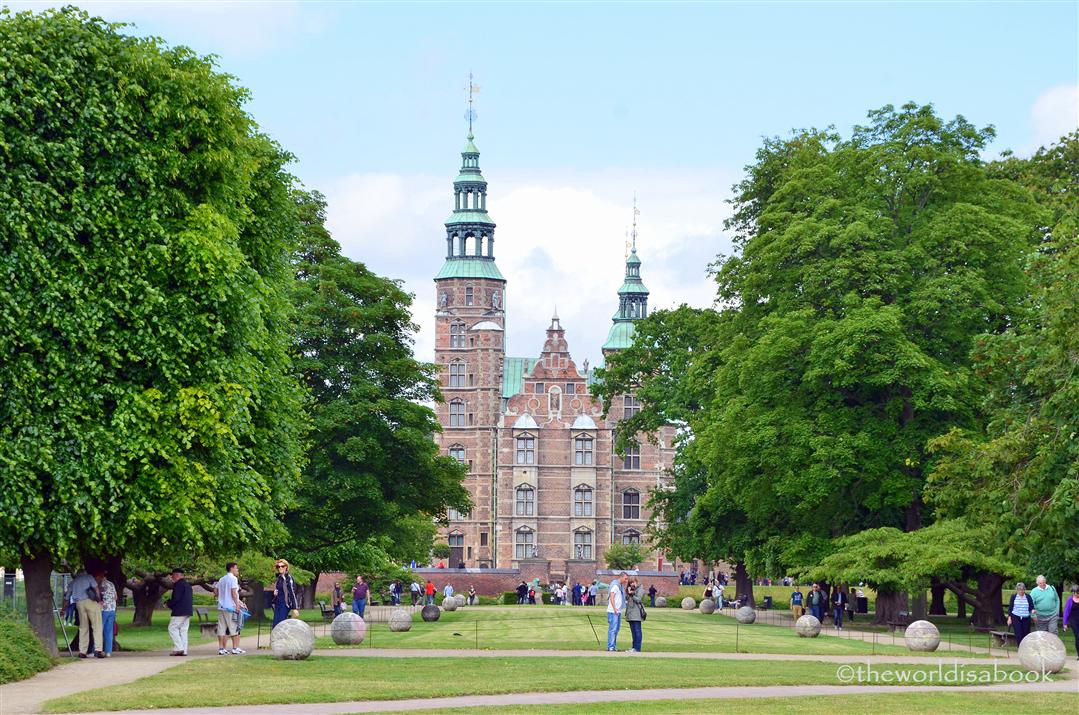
x: 284, y: 593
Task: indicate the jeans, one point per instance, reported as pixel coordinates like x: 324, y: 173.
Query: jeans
x: 178, y: 626
x: 1021, y: 627
x: 359, y: 605
x: 1046, y: 623
x: 837, y: 616
x: 817, y: 612
x: 614, y: 622
x: 635, y: 628
x: 108, y: 621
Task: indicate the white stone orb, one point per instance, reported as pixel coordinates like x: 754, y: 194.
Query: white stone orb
x: 745, y: 614
x: 348, y: 629
x: 400, y: 620
x: 688, y: 603
x: 661, y: 601
x: 292, y: 639
x: 922, y: 636
x: 708, y: 606
x: 449, y: 603
x: 807, y: 626
x: 1042, y: 652
x: 461, y: 601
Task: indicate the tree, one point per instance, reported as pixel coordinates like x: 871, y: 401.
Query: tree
x: 623, y: 556
x: 440, y: 551
x: 147, y: 405
x: 373, y: 470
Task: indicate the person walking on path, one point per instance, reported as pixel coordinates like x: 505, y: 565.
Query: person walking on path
x: 414, y: 591
x: 797, y: 605
x: 108, y: 611
x: 181, y: 604
x: 87, y: 599
x: 1071, y: 616
x: 227, y: 590
x: 284, y: 593
x: 635, y: 615
x: 839, y: 604
x: 429, y: 590
x: 1020, y: 610
x: 359, y: 596
x: 652, y: 596
x: 1046, y: 606
x: 616, y: 602
x: 816, y: 602
x: 338, y: 599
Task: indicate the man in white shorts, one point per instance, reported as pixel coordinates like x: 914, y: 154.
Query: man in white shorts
x: 227, y: 591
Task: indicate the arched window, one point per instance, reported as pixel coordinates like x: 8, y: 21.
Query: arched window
x: 582, y: 450
x: 631, y: 536
x: 631, y: 504
x: 582, y: 544
x: 524, y: 541
x: 457, y: 335
x: 525, y: 501
x: 526, y: 449
x: 457, y: 451
x: 554, y: 401
x: 457, y: 413
x: 582, y: 501
x: 632, y: 460
x: 457, y: 374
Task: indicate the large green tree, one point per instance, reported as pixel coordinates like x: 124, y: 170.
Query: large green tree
x: 147, y: 400
x: 375, y: 482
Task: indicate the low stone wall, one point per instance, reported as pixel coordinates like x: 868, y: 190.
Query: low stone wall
x: 493, y: 582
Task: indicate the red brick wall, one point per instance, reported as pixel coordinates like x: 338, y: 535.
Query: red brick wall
x: 492, y: 582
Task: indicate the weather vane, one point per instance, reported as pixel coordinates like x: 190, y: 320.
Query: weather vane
x: 631, y: 235
x: 470, y: 115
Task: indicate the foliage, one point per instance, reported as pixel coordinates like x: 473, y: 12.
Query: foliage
x: 623, y: 556
x: 375, y: 481
x: 21, y: 654
x: 440, y: 551
x: 148, y: 402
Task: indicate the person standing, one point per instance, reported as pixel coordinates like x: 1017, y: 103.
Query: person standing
x: 652, y: 596
x: 635, y: 615
x: 616, y: 601
x: 1020, y: 611
x: 1071, y: 616
x: 472, y: 597
x: 429, y: 591
x: 227, y: 590
x: 593, y: 594
x: 338, y: 599
x: 87, y: 599
x: 817, y: 602
x: 447, y: 591
x: 414, y: 591
x: 284, y: 593
x: 181, y: 605
x: 717, y: 594
x: 359, y: 596
x: 839, y: 604
x: 797, y: 605
x: 1046, y: 606
x: 108, y: 611
x: 522, y: 593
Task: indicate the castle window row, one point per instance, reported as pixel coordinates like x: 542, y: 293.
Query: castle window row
x: 583, y: 502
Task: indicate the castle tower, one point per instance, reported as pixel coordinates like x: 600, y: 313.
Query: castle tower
x: 470, y: 351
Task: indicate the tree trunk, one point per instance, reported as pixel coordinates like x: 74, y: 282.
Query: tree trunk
x: 936, y: 606
x: 147, y: 593
x: 37, y: 572
x: 889, y: 605
x: 114, y: 571
x: 743, y: 584
x: 988, y: 609
x: 307, y: 599
x: 254, y: 600
x: 961, y: 608
x: 918, y: 606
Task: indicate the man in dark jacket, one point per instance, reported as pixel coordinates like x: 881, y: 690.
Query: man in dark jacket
x: 522, y: 593
x: 181, y: 604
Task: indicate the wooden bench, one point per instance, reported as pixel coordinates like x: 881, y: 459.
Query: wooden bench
x: 207, y: 626
x: 327, y: 613
x: 902, y: 622
x: 1002, y: 638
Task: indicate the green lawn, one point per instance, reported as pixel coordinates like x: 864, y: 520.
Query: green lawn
x: 257, y: 680
x: 913, y: 704
x: 567, y: 628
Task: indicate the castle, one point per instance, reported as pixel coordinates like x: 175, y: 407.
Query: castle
x: 549, y: 492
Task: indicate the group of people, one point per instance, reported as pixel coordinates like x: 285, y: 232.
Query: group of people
x: 92, y: 597
x: 819, y: 604
x: 1039, y: 610
x: 624, y: 601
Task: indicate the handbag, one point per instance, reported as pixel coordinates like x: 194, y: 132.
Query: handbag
x: 294, y: 613
x: 644, y: 613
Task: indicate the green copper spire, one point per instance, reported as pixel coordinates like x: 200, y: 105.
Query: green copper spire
x: 632, y: 297
x: 470, y: 232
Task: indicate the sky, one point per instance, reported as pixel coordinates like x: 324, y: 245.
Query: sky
x: 583, y: 105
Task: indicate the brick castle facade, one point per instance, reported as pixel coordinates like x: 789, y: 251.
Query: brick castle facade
x: 549, y: 492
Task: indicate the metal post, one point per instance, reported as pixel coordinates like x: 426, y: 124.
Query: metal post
x: 736, y: 638
x: 477, y: 634
x: 589, y: 617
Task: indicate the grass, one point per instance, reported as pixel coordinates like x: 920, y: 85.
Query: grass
x: 912, y: 704
x: 21, y: 655
x: 260, y: 680
x: 566, y: 628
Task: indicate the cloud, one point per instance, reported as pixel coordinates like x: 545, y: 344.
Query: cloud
x: 560, y: 242
x: 1054, y: 114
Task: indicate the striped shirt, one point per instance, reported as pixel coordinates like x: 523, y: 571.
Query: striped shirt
x: 1021, y: 609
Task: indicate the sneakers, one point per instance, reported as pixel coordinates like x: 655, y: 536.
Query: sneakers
x: 238, y: 651
x: 222, y: 651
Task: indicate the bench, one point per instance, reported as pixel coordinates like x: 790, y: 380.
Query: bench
x: 1002, y: 638
x: 207, y: 627
x: 901, y: 622
x: 327, y: 613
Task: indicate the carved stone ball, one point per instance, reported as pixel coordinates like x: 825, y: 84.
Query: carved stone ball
x: 461, y: 601
x: 1042, y: 652
x: 807, y: 626
x: 661, y: 601
x: 688, y: 604
x: 449, y: 603
x: 348, y: 629
x: 745, y: 614
x: 430, y: 612
x: 292, y: 639
x: 400, y: 620
x: 708, y: 606
x: 922, y: 636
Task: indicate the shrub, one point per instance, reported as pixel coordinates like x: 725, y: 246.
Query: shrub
x: 21, y: 654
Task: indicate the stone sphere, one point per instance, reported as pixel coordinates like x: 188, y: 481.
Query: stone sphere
x: 922, y: 636
x: 430, y: 612
x: 688, y: 603
x: 745, y: 614
x: 449, y: 603
x: 807, y: 626
x: 348, y: 629
x: 292, y: 639
x: 661, y: 601
x: 1042, y: 652
x: 708, y: 606
x: 461, y: 601
x: 400, y: 620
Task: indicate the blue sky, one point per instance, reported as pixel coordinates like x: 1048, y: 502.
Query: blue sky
x: 583, y: 103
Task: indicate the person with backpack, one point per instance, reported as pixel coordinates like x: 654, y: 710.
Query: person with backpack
x: 1020, y: 612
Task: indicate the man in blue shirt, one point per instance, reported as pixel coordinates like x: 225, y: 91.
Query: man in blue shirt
x: 87, y: 599
x: 797, y: 605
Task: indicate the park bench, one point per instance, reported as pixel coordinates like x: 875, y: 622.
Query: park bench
x: 901, y: 622
x: 1002, y: 638
x: 207, y: 627
x: 327, y: 613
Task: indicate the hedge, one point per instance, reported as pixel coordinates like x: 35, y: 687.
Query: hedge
x: 21, y: 654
